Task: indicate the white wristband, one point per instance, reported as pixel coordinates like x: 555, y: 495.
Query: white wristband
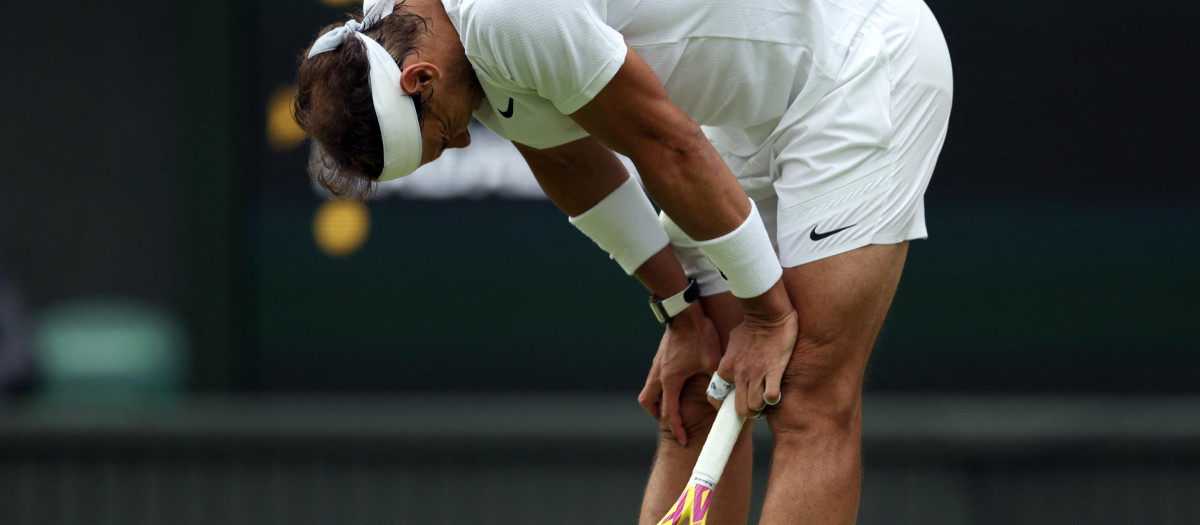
x: 625, y: 225
x: 745, y: 257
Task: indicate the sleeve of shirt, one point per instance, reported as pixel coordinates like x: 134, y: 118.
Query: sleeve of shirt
x: 562, y: 49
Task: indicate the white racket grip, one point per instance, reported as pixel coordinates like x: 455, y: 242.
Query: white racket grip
x: 718, y: 446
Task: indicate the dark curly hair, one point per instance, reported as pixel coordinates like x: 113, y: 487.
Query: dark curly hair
x: 333, y: 104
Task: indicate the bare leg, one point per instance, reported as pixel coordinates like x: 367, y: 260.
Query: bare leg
x: 816, y: 468
x: 673, y: 463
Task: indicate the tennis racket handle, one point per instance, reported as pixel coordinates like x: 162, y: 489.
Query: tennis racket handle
x: 718, y: 446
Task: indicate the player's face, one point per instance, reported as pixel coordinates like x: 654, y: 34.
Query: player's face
x: 447, y: 116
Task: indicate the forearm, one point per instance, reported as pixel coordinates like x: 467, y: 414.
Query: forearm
x: 695, y: 188
x: 587, y: 181
x: 751, y: 270
x: 577, y: 175
x: 690, y: 181
x: 730, y: 232
x: 662, y: 274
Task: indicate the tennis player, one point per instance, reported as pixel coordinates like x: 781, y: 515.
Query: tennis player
x: 788, y: 144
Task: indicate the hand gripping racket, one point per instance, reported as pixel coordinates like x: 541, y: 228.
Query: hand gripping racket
x: 692, y: 506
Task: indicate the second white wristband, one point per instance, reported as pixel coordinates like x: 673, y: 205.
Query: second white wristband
x: 745, y: 257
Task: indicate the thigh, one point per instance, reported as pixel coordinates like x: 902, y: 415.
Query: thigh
x: 841, y: 302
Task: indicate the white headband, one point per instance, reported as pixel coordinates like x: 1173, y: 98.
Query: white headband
x: 395, y: 109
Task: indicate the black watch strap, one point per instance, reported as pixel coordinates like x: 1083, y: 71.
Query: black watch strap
x: 666, y: 309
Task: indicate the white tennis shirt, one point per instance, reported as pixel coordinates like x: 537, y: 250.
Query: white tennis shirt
x: 734, y: 66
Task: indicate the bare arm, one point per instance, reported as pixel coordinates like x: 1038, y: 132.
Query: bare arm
x: 682, y: 171
x: 688, y: 179
x: 576, y: 176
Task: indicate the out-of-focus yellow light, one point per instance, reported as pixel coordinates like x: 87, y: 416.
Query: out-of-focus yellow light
x: 282, y: 131
x: 340, y: 228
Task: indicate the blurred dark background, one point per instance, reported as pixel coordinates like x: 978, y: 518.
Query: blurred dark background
x: 154, y: 205
x: 1063, y: 216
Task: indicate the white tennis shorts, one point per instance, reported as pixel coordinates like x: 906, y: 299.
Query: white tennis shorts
x: 853, y: 170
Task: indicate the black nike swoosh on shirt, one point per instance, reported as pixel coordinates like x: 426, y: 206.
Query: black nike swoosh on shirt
x: 818, y: 236
x: 508, y: 112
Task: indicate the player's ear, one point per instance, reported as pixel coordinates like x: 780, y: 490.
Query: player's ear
x: 416, y: 78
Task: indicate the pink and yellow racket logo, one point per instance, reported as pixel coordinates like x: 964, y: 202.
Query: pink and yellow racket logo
x: 691, y: 508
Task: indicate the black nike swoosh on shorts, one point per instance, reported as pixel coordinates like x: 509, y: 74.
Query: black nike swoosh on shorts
x: 818, y: 236
x: 508, y: 112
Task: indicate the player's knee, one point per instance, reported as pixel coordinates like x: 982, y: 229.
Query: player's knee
x: 822, y: 389
x: 836, y: 414
x: 820, y: 365
x: 696, y: 425
x: 694, y: 411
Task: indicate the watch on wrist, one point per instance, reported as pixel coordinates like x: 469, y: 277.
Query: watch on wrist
x: 666, y: 309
